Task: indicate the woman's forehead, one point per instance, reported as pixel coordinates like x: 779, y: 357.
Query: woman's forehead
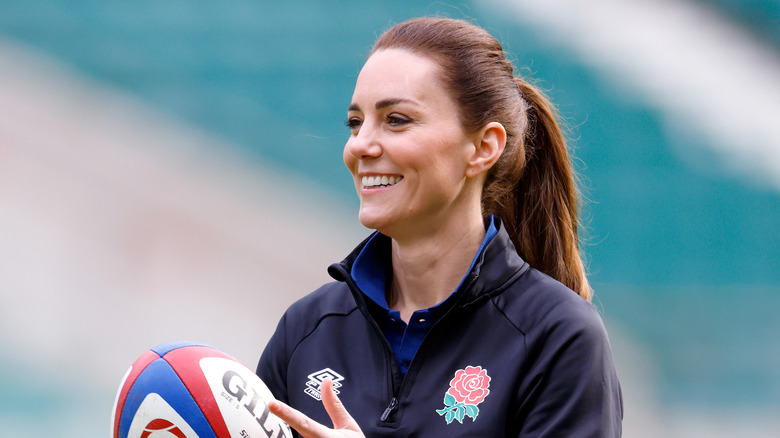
x: 393, y: 74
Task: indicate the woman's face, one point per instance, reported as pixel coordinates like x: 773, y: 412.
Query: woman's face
x: 407, y: 151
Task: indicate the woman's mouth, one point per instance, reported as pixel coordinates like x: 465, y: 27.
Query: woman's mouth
x: 380, y: 181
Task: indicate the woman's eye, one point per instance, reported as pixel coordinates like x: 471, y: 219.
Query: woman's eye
x: 353, y: 123
x: 396, y: 120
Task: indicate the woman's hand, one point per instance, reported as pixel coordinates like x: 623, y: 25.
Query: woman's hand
x: 344, y: 426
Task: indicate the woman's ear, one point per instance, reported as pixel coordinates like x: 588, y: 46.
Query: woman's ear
x: 489, y: 144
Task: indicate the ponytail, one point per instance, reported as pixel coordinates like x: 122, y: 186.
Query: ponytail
x: 531, y: 187
x: 546, y: 231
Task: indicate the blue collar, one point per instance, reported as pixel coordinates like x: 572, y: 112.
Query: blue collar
x: 372, y: 269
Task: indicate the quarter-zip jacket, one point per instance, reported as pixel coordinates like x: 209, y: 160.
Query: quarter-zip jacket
x: 542, y: 354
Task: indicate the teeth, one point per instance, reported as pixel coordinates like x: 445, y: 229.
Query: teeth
x: 380, y: 181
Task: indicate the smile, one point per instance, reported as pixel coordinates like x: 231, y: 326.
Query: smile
x: 381, y: 181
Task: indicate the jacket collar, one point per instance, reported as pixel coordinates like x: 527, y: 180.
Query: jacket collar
x: 492, y: 268
x: 497, y: 265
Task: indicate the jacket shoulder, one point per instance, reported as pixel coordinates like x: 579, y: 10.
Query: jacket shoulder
x: 569, y: 366
x: 330, y: 299
x: 300, y: 320
x: 536, y: 301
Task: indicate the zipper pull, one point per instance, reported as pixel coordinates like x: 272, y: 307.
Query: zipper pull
x: 393, y: 404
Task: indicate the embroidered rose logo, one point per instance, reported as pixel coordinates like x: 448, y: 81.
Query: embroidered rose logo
x: 468, y: 388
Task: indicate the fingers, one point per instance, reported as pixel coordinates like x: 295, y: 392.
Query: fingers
x: 336, y: 410
x: 305, y: 426
x: 343, y: 423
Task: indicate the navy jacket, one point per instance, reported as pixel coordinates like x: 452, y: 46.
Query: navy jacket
x: 517, y: 354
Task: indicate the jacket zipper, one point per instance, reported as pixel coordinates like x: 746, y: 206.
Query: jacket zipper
x: 395, y: 390
x: 390, y: 358
x: 390, y: 408
x: 394, y: 401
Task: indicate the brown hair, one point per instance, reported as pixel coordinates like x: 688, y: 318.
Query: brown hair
x: 532, y: 186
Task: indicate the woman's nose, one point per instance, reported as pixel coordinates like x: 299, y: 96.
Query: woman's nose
x: 365, y: 144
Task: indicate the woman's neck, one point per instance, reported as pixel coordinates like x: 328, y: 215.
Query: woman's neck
x: 427, y: 270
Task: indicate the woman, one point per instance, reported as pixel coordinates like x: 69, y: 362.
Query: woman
x: 467, y: 313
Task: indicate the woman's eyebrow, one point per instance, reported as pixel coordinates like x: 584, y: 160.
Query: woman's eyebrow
x: 384, y: 103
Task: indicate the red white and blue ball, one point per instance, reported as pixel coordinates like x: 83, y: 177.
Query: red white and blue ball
x: 190, y: 390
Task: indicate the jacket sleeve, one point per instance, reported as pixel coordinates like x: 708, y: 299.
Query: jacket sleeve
x: 572, y: 388
x: 272, y: 367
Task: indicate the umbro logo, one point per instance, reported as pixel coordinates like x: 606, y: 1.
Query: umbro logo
x: 315, y: 382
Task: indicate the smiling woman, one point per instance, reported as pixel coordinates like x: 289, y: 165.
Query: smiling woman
x: 464, y: 174
x: 406, y: 127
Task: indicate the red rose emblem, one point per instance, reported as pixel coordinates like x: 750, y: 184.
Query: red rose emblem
x: 470, y: 386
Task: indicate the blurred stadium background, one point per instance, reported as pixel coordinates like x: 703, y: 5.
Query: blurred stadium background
x: 172, y: 170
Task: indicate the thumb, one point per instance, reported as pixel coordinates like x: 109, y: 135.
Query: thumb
x: 336, y: 410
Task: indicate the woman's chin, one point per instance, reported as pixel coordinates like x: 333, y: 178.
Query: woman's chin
x: 369, y: 221
x: 375, y: 220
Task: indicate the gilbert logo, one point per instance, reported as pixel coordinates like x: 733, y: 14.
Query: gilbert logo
x: 315, y: 382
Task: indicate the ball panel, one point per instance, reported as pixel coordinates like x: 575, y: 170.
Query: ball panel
x: 166, y: 348
x: 156, y: 418
x: 127, y: 382
x: 160, y: 379
x: 243, y: 399
x: 115, y: 410
x: 185, y: 361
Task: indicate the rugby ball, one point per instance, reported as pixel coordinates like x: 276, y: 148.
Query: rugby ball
x: 191, y: 390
